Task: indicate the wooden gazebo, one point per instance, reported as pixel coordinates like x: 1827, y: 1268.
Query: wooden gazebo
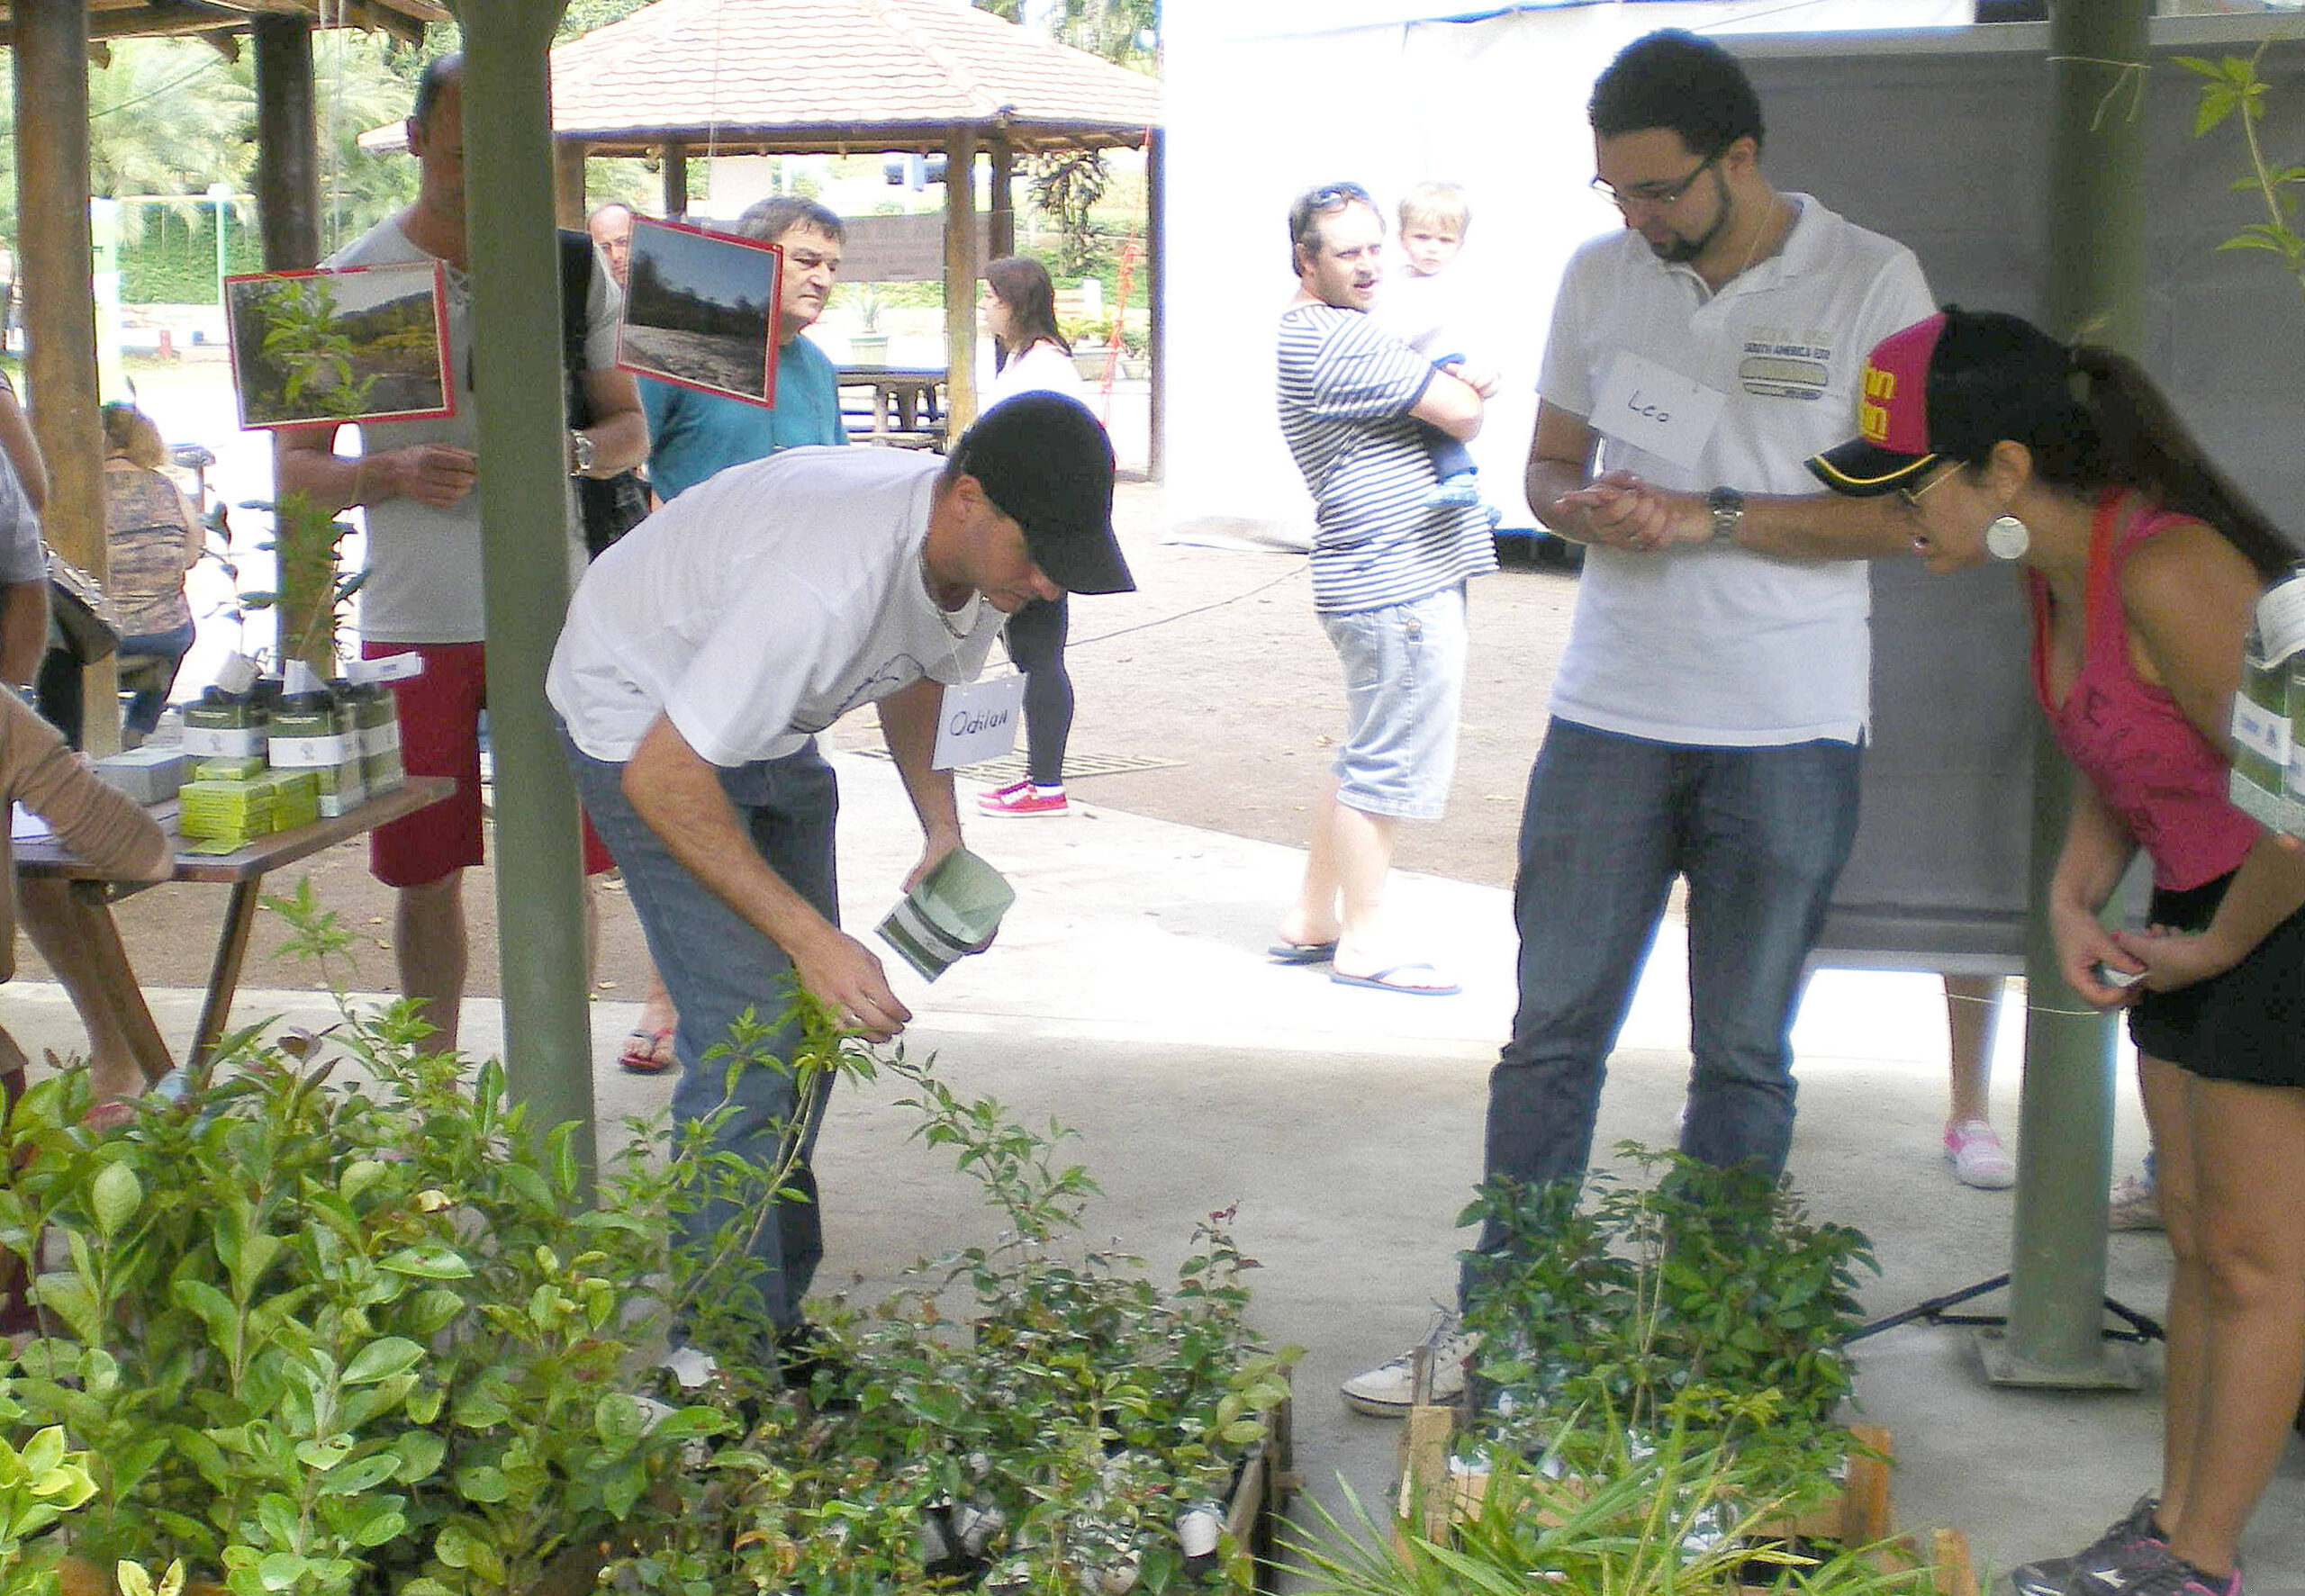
x: 687, y: 78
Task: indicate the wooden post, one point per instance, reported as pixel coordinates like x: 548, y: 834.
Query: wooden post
x: 287, y: 188
x: 1003, y: 238
x: 674, y: 157
x: 287, y: 149
x: 53, y: 243
x: 568, y: 206
x: 960, y: 280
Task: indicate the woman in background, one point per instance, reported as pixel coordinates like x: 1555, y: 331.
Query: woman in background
x: 151, y: 539
x: 1031, y: 356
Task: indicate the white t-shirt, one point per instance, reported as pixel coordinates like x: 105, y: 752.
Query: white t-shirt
x: 763, y: 605
x: 1713, y: 645
x: 1042, y: 369
x: 424, y: 565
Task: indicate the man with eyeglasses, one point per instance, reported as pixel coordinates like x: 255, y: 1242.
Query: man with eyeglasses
x: 1388, y: 569
x: 1707, y: 713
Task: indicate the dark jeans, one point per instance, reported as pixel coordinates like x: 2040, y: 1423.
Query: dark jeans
x: 144, y: 707
x: 1761, y: 834
x: 717, y: 964
x: 1036, y: 639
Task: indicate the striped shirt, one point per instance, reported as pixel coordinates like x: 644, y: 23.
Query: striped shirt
x: 1346, y: 388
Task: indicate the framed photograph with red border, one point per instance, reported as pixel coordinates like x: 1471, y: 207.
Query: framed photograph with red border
x: 364, y: 344
x: 699, y: 310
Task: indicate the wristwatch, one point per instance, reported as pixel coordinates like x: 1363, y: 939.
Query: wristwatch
x: 580, y: 450
x: 1727, y: 507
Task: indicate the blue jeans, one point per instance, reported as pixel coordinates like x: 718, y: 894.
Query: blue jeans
x: 1761, y: 835
x: 717, y: 964
x: 145, y: 705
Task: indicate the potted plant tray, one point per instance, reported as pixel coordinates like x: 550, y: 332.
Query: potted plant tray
x: 1433, y: 1496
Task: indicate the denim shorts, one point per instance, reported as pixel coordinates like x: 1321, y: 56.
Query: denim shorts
x: 1403, y: 675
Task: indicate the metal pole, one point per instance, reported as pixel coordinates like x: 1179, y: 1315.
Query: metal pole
x: 523, y: 422
x: 2096, y: 217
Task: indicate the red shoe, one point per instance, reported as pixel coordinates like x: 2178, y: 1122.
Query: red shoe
x: 1025, y: 799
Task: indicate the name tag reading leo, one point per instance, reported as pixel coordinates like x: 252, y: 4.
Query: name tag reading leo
x: 1656, y: 409
x: 979, y: 721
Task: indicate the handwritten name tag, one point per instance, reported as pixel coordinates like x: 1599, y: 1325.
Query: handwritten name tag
x: 1655, y: 409
x: 979, y: 721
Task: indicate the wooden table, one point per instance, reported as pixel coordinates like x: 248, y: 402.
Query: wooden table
x: 243, y: 870
x: 907, y: 402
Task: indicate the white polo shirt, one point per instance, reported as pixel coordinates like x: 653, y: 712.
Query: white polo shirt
x: 761, y: 606
x: 1713, y: 646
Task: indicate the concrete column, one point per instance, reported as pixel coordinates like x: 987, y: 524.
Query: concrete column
x: 2096, y: 221
x: 516, y: 317
x: 960, y: 265
x: 52, y: 244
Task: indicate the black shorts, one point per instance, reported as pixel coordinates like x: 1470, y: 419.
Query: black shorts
x: 2247, y: 1025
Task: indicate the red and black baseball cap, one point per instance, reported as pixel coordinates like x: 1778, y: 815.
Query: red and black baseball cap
x: 1953, y: 385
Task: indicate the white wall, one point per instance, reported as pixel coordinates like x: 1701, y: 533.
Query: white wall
x: 1268, y: 98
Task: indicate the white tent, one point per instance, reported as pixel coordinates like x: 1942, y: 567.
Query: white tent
x: 1268, y: 98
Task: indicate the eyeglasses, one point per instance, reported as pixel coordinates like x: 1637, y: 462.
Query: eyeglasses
x: 1910, y: 497
x: 1652, y: 196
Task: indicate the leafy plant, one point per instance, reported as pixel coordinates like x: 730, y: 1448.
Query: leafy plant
x: 340, y: 1320
x: 2233, y: 87
x: 1051, y: 1441
x: 1704, y: 1287
x: 320, y: 1335
x: 1688, y: 1513
x: 39, y: 1484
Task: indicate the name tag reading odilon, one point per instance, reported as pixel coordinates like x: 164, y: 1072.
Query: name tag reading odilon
x: 1650, y: 408
x: 979, y: 721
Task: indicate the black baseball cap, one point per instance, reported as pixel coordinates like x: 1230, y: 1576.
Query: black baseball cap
x: 1952, y: 385
x: 1046, y: 464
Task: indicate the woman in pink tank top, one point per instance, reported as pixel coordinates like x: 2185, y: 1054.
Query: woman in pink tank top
x: 2145, y: 564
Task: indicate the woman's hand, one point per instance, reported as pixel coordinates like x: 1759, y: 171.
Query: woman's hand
x: 2082, y: 945
x: 2174, y: 959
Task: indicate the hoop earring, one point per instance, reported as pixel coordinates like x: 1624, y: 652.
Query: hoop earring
x: 2007, y: 538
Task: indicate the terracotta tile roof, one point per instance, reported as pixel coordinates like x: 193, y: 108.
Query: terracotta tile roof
x: 748, y: 71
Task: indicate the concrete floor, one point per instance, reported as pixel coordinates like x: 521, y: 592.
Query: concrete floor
x: 1129, y: 999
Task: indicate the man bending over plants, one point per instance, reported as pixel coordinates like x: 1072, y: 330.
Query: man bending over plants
x: 702, y: 654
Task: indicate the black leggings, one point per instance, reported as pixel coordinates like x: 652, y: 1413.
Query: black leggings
x: 1036, y: 639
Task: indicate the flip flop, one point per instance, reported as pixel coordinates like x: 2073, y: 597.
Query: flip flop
x: 647, y: 1052
x: 1301, y: 953
x: 1382, y: 981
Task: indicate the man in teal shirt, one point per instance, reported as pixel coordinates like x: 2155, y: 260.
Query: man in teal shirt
x: 691, y: 435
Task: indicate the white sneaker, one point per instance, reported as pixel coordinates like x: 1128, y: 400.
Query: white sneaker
x: 1389, y: 1390
x: 1977, y: 1157
x: 2134, y: 1205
